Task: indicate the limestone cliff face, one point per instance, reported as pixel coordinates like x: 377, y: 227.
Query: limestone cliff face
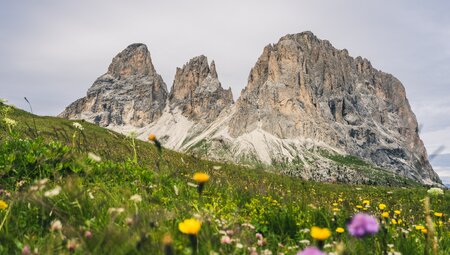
x: 130, y: 93
x: 197, y: 91
x: 304, y: 101
x: 303, y: 87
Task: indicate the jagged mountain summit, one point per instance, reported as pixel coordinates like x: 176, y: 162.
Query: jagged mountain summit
x: 305, y: 104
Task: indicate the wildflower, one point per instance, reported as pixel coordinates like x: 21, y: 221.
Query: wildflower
x: 77, y: 126
x: 394, y: 221
x: 335, y: 204
x: 129, y: 221
x: 167, y: 244
x: 397, y: 212
x: 225, y: 240
x: 311, y: 251
x: 3, y: 205
x: 362, y: 225
x: 425, y: 231
x: 336, y: 209
x: 56, y: 225
x: 94, y: 157
x: 10, y: 122
x: 239, y: 246
x: 201, y: 179
x: 385, y: 215
x: 136, y: 198
x: 382, y: 206
x: 88, y: 234
x: 305, y: 242
x: 419, y: 227
x: 53, y: 192
x: 340, y: 230
x: 72, y: 245
x: 435, y: 192
x: 438, y: 214
x: 190, y: 226
x: 26, y: 250
x: 152, y: 137
x: 320, y: 234
x: 259, y: 236
x: 359, y: 206
x: 261, y: 242
x: 217, y: 167
x: 366, y: 202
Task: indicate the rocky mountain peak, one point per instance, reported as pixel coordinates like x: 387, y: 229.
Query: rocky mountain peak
x: 197, y: 90
x: 135, y: 60
x: 131, y: 92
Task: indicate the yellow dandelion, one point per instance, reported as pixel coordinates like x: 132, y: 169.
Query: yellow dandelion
x: 335, y: 204
x: 336, y: 209
x: 320, y: 233
x: 359, y: 206
x: 394, y: 221
x: 438, y: 214
x: 340, y: 230
x: 3, y: 205
x: 419, y: 227
x: 152, y: 137
x: 397, y: 212
x: 200, y: 177
x: 424, y: 231
x: 366, y: 202
x: 190, y: 226
x: 399, y: 221
x: 385, y: 215
x: 382, y: 206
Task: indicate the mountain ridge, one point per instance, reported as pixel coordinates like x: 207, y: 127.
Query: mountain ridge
x: 303, y: 96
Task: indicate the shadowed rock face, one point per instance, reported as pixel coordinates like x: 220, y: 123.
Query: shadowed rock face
x: 303, y: 87
x: 130, y: 93
x: 197, y: 91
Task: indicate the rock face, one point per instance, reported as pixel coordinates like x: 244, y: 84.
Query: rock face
x: 130, y: 93
x: 198, y: 92
x: 305, y: 101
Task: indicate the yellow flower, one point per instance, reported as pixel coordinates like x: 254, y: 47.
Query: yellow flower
x: 397, y: 212
x: 394, y: 222
x: 336, y: 209
x: 340, y: 199
x: 3, y: 205
x: 419, y: 227
x: 320, y: 233
x: 340, y: 230
x: 382, y: 206
x: 335, y: 204
x: 190, y: 226
x: 359, y: 206
x: 399, y: 221
x: 424, y: 231
x: 366, y: 202
x: 385, y: 215
x: 200, y: 177
x: 152, y: 137
x: 438, y: 214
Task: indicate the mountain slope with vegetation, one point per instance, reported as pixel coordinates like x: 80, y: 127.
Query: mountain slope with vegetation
x: 75, y: 188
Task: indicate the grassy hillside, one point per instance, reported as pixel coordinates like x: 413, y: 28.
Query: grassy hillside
x: 56, y: 199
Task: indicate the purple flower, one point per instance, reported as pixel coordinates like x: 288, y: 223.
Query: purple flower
x: 362, y: 225
x: 311, y: 250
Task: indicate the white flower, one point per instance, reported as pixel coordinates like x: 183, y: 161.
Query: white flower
x: 136, y: 198
x: 53, y: 192
x: 10, y: 122
x: 217, y: 167
x: 56, y: 225
x: 435, y: 192
x: 305, y: 242
x: 239, y: 246
x: 77, y: 126
x: 94, y: 157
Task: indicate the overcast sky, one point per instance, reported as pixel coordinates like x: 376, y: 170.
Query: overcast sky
x: 52, y: 51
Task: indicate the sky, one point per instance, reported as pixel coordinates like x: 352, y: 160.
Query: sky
x: 52, y: 51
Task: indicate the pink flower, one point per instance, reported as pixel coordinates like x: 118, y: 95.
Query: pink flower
x: 225, y: 240
x: 363, y: 224
x: 259, y: 236
x: 88, y: 234
x: 311, y: 251
x: 26, y: 250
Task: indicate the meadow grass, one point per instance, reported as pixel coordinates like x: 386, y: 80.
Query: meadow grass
x: 60, y: 200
